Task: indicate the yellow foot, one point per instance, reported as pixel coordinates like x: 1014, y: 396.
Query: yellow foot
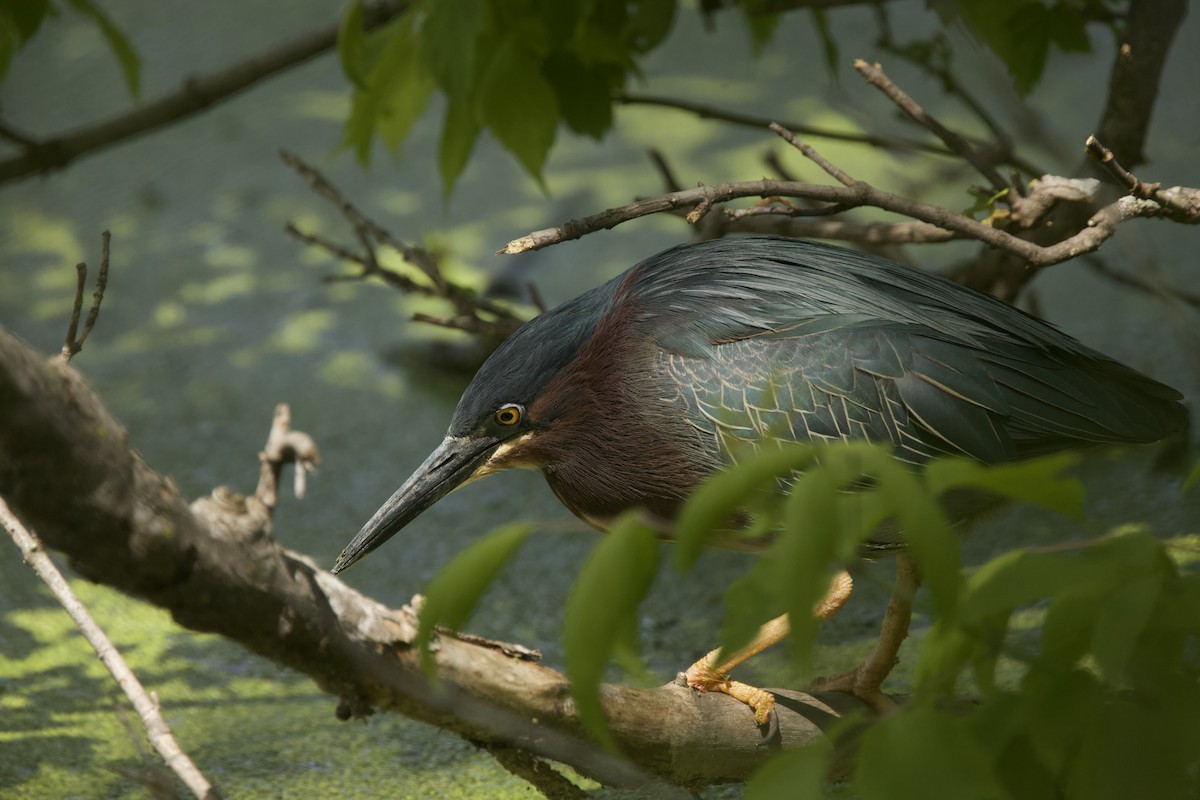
x: 702, y: 678
x: 860, y: 683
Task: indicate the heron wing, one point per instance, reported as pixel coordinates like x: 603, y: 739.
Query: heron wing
x: 789, y: 340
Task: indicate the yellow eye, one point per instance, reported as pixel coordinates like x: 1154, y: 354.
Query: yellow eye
x: 509, y: 414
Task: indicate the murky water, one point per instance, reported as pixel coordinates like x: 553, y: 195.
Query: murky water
x: 213, y: 315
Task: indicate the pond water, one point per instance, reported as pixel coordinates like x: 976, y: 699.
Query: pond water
x: 213, y: 315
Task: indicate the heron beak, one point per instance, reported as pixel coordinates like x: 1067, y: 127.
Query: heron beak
x: 455, y: 461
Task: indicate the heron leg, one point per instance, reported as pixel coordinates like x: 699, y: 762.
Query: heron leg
x: 864, y: 681
x: 710, y: 675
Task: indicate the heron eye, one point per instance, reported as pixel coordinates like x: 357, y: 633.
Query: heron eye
x: 509, y: 414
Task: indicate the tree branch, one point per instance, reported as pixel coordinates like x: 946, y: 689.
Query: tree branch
x: 195, y: 95
x: 874, y: 75
x: 1150, y: 28
x: 892, y: 143
x: 1100, y: 227
x: 157, y: 730
x: 67, y: 468
x: 475, y: 314
x: 73, y: 345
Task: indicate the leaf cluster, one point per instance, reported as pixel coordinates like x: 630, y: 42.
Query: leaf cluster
x: 1022, y: 32
x: 1106, y: 704
x: 21, y: 19
x: 517, y: 68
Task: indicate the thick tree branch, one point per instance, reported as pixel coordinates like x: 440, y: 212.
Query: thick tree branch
x: 194, y: 96
x: 1150, y: 28
x: 67, y: 468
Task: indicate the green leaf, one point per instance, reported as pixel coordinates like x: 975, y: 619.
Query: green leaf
x: 1192, y: 479
x: 931, y: 539
x: 945, y: 651
x: 650, y: 23
x: 760, y: 22
x: 921, y: 752
x: 396, y: 92
x: 460, y: 131
x: 519, y: 106
x: 796, y: 773
x: 601, y: 613
x: 1121, y: 621
x: 559, y: 18
x: 750, y: 601
x: 829, y: 45
x: 714, y: 503
x: 19, y: 21
x: 584, y: 92
x: 450, y: 44
x: 117, y: 42
x: 352, y: 45
x: 1021, y: 32
x: 1036, y: 481
x: 455, y: 590
x: 1067, y: 628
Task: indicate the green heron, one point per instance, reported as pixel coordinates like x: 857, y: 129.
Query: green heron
x: 633, y: 393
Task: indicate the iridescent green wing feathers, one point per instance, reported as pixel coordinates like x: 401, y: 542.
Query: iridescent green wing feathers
x: 857, y: 347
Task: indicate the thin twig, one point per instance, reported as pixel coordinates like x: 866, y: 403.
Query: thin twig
x: 17, y: 137
x: 1099, y: 227
x: 1101, y: 267
x: 1105, y: 158
x: 671, y: 182
x: 891, y: 143
x: 499, y: 320
x: 922, y: 54
x: 871, y: 233
x: 68, y: 348
x: 284, y: 446
x: 796, y: 142
x: 72, y: 345
x: 157, y: 729
x: 874, y: 75
x: 784, y: 210
x: 1182, y: 203
x: 150, y: 773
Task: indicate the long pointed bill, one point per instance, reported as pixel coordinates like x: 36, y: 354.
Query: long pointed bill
x: 453, y: 463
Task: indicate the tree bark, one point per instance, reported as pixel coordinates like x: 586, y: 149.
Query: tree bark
x: 68, y: 471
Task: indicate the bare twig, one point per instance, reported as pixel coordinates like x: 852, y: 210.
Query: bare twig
x: 872, y: 233
x: 474, y: 314
x: 1181, y: 204
x: 150, y: 773
x: 874, y: 75
x: 664, y: 169
x: 923, y: 55
x: 284, y: 446
x: 1102, y: 267
x: 1099, y: 228
x: 194, y: 96
x: 17, y: 137
x: 891, y: 143
x: 72, y: 345
x: 157, y: 729
x: 1105, y: 158
x: 796, y: 142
